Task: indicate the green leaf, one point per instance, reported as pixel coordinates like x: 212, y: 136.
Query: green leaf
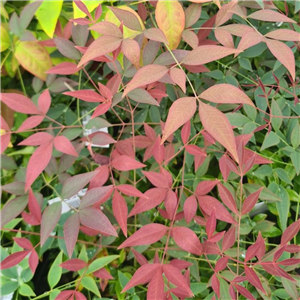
x: 5, y: 41
x: 26, y: 290
x: 123, y: 279
x: 54, y: 294
x: 283, y: 206
x: 90, y: 284
x: 282, y: 174
x: 100, y: 263
x: 8, y: 287
x: 276, y: 111
x: 295, y: 136
x: 295, y: 157
x: 48, y: 14
x: 55, y: 271
x: 245, y: 64
x: 271, y: 139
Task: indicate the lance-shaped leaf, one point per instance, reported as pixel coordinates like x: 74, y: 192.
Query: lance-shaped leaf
x: 50, y: 219
x: 211, y: 224
x: 31, y: 122
x: 19, y: 103
x: 225, y: 93
x: 181, y: 111
x: 120, y: 211
x: 131, y: 50
x: 250, y: 201
x: 37, y: 139
x: 107, y: 28
x: 250, y: 39
x: 147, y: 235
x: 141, y: 259
x: 65, y: 68
x: 101, y: 46
x: 62, y: 144
x: 179, y: 77
x: 155, y: 34
x: 129, y: 190
x: 86, y: 95
x: 205, y: 54
x: 67, y: 48
x: 44, y: 101
x: 95, y: 195
x: 96, y: 219
x: 227, y: 198
x: 270, y: 16
x: 156, y: 287
x: 284, y: 35
x: 23, y: 243
x: 290, y: 232
x: 74, y: 264
x: 142, y: 96
x: 38, y: 162
x: 170, y: 19
x: 186, y: 239
x: 229, y: 239
x: 192, y: 14
x: 284, y: 54
x: 13, y: 259
x: 157, y: 179
x: 190, y: 208
x: 215, y: 284
x: 71, y: 230
x: 144, y: 76
x: 253, y: 278
x: 126, y: 163
x: 33, y: 261
x: 218, y: 126
x: 101, y: 262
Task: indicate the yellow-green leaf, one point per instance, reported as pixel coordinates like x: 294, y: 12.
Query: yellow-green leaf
x: 170, y: 19
x: 34, y: 58
x: 4, y: 39
x: 48, y: 14
x: 91, y: 5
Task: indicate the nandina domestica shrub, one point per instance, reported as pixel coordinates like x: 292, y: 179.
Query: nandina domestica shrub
x: 150, y: 150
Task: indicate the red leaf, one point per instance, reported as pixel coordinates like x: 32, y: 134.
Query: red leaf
x: 129, y: 190
x: 284, y: 35
x: 86, y: 95
x: 142, y: 260
x: 171, y: 204
x: 194, y: 150
x: 229, y: 239
x: 50, y: 219
x: 126, y: 163
x: 33, y: 261
x: 250, y: 201
x: 290, y: 232
x: 120, y: 211
x: 270, y: 16
x: 62, y: 144
x: 209, y: 204
x: 103, y: 274
x: 96, y: 195
x: 186, y: 239
x: 174, y: 275
x: 158, y: 151
x: 147, y: 235
x: 221, y: 264
x: 215, y: 284
x: 284, y: 54
x: 74, y: 264
x: 244, y: 292
x: 19, y: 103
x: 131, y: 50
x: 181, y: 111
x: 37, y: 139
x: 101, y: 46
x: 178, y: 76
x: 96, y: 219
x: 65, y: 295
x: 107, y: 28
x: 157, y: 179
x: 155, y: 34
x: 180, y: 264
x: 156, y: 287
x: 101, y: 109
x: 205, y: 54
x: 38, y: 162
x: 204, y: 187
x: 65, y: 68
x: 44, y: 101
x: 211, y: 225
x: 13, y: 259
x: 227, y: 198
x: 190, y: 208
x: 144, y: 76
x: 23, y: 243
x: 142, y: 275
x: 186, y: 132
x: 289, y: 262
x: 34, y: 206
x: 79, y: 296
x: 253, y: 250
x: 253, y: 278
x: 226, y: 93
x: 83, y: 8
x: 217, y: 125
x: 71, y: 230
x: 31, y: 122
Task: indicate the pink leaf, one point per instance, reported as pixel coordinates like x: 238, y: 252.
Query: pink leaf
x: 96, y: 219
x: 226, y: 93
x: 244, y: 292
x: 129, y: 190
x: 284, y: 35
x: 107, y: 28
x: 147, y: 235
x: 83, y: 8
x: 31, y: 122
x: 217, y: 125
x: 227, y: 198
x: 19, y: 103
x: 33, y: 261
x: 224, y: 37
x: 23, y: 243
x: 34, y: 206
x: 65, y: 295
x: 101, y: 109
x: 50, y: 219
x: 171, y: 203
x: 270, y: 16
x: 96, y: 195
x: 204, y: 187
x: 192, y: 14
x: 144, y: 76
x: 157, y: 179
x: 128, y: 18
x: 194, y: 150
x: 38, y: 162
x: 131, y: 50
x: 142, y: 260
x: 103, y: 274
x: 191, y: 38
x: 186, y: 132
x: 211, y: 224
x: 253, y: 250
x: 37, y: 139
x: 290, y: 232
x: 181, y: 111
x: 253, y: 278
x: 156, y: 287
x: 190, y: 208
x: 65, y: 68
x: 180, y: 264
x: 13, y: 259
x: 126, y: 163
x: 74, y: 264
x: 186, y: 239
x: 86, y: 95
x: 205, y: 54
x: 250, y: 201
x: 250, y: 39
x: 284, y: 54
x: 120, y: 211
x: 155, y: 34
x: 62, y: 144
x: 221, y: 264
x: 215, y: 284
x: 71, y: 230
x: 178, y: 76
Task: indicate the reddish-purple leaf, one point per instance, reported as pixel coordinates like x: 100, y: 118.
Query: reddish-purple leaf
x: 171, y: 203
x: 289, y: 262
x: 96, y: 219
x: 37, y: 139
x: 31, y: 122
x: 62, y: 144
x: 229, y: 239
x: 191, y: 38
x: 15, y: 188
x: 157, y: 179
x: 221, y: 264
x: 5, y: 140
x: 155, y: 34
x: 142, y: 96
x: 290, y: 232
x: 186, y: 239
x: 95, y: 195
x: 83, y: 8
x: 270, y: 16
x: 13, y: 259
x: 34, y: 206
x: 284, y: 35
x: 23, y: 243
x: 211, y: 224
x: 244, y: 292
x: 126, y: 163
x: 204, y: 187
x: 103, y: 274
x: 284, y: 54
x: 142, y: 260
x: 86, y: 95
x: 218, y: 126
x: 144, y: 76
x: 250, y: 201
x: 253, y: 250
x: 156, y: 287
x: 147, y: 235
x: 120, y: 211
x: 174, y: 275
x: 128, y: 18
x: 186, y: 132
x: 205, y: 54
x: 253, y: 278
x: 74, y: 264
x: 38, y: 162
x: 215, y: 284
x: 181, y: 111
x: 180, y: 264
x: 66, y: 295
x: 129, y: 190
x: 19, y: 103
x: 65, y: 68
x: 33, y: 261
x: 227, y: 198
x: 131, y: 50
x: 107, y: 28
x: 195, y: 150
x: 142, y: 275
x: 190, y: 208
x: 50, y: 219
x: 71, y: 230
